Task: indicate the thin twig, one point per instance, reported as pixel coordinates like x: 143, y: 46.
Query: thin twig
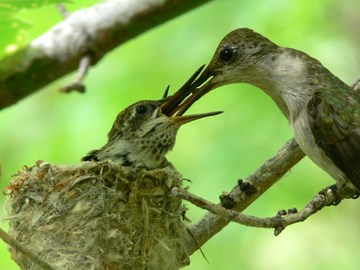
x: 146, y: 227
x: 28, y: 253
x: 62, y: 9
x: 77, y: 84
x: 278, y: 222
x: 84, y: 64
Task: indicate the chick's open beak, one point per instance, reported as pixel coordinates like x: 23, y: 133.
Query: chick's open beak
x: 176, y: 105
x: 183, y: 119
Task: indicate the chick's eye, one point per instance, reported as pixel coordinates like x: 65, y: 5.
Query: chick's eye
x: 141, y: 109
x: 227, y: 54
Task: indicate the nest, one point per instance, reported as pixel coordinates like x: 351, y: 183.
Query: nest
x: 97, y: 216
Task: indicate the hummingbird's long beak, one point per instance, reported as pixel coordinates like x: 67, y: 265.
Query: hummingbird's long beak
x: 173, y: 103
x: 176, y: 105
x: 199, y: 88
x: 183, y: 119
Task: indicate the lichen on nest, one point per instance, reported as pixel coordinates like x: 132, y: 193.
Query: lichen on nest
x: 97, y: 216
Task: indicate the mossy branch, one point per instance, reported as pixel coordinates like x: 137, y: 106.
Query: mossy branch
x: 92, y: 32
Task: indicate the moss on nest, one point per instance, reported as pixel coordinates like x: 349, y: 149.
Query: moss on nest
x: 97, y: 216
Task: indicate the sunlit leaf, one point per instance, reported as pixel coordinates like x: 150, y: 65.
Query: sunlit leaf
x: 12, y: 29
x: 30, y: 4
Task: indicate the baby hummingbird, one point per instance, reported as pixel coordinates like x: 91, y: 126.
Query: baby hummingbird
x: 145, y: 131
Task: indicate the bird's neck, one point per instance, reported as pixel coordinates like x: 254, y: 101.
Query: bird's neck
x: 286, y: 78
x: 150, y: 151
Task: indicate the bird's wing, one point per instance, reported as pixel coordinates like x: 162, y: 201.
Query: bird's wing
x: 334, y: 118
x: 116, y: 150
x: 91, y: 156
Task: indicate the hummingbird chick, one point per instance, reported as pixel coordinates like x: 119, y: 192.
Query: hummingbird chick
x: 145, y: 131
x: 323, y: 111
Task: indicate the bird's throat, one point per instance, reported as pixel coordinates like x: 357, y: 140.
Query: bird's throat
x: 286, y: 80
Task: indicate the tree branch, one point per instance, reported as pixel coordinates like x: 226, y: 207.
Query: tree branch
x: 93, y: 31
x: 269, y: 173
x: 77, y: 84
x: 278, y: 222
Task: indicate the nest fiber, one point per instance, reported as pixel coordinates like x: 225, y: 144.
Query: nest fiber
x: 97, y: 216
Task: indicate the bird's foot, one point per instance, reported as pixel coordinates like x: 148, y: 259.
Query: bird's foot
x: 335, y: 191
x: 284, y: 212
x: 280, y: 213
x: 227, y: 201
x: 247, y: 187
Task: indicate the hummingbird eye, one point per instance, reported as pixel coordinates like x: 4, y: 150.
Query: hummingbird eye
x: 141, y: 109
x: 227, y: 54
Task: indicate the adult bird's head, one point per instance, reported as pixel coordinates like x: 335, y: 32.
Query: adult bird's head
x: 243, y: 56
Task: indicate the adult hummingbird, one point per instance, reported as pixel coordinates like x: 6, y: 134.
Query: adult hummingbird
x: 145, y: 131
x: 323, y: 111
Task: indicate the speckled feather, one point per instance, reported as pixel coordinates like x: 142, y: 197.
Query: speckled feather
x: 138, y: 139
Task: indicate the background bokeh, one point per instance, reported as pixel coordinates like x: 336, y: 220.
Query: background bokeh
x: 214, y: 152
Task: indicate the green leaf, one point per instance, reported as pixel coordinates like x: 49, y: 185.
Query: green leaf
x: 12, y: 29
x: 12, y: 32
x: 30, y: 4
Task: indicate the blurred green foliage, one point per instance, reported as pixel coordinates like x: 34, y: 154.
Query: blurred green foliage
x: 13, y: 29
x: 213, y: 152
